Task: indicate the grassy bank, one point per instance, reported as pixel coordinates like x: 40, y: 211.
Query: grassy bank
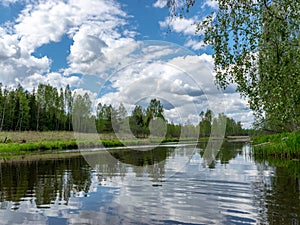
x: 27, y: 143
x: 19, y: 144
x: 283, y: 145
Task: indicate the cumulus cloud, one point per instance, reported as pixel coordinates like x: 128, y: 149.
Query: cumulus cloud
x: 195, y: 45
x: 15, y: 69
x: 180, y: 25
x: 211, y: 3
x: 102, y: 46
x: 160, y: 3
x: 97, y: 47
x: 95, y: 27
x: 55, y: 79
x: 183, y: 82
x: 39, y: 24
x: 187, y: 27
x: 47, y: 21
x: 9, y: 46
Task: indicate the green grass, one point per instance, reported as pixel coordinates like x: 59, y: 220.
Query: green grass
x: 35, y: 143
x: 28, y: 143
x: 37, y: 146
x: 283, y: 145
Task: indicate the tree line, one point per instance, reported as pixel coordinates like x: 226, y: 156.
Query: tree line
x: 142, y: 120
x: 44, y: 109
x: 50, y: 109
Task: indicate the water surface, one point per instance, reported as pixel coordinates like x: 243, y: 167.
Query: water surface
x: 166, y: 185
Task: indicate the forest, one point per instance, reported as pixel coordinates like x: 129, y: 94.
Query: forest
x: 50, y: 109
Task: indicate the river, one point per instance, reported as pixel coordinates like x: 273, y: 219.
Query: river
x: 165, y: 185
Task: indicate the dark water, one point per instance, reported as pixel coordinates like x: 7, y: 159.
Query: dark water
x: 165, y: 185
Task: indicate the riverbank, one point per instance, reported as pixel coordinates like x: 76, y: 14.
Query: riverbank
x: 283, y: 145
x: 18, y: 144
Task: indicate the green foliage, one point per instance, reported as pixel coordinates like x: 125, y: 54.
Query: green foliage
x: 278, y: 145
x: 138, y: 122
x: 209, y: 122
x: 47, y: 109
x: 82, y: 118
x: 257, y: 46
x: 180, y: 7
x: 18, y: 148
x: 173, y: 130
x: 110, y: 119
x: 50, y: 109
x: 205, y: 123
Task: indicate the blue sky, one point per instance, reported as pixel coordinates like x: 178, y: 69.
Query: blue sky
x: 117, y: 51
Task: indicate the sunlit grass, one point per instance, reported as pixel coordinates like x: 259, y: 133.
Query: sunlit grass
x: 22, y: 143
x: 34, y: 143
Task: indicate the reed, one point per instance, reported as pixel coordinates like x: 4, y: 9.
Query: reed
x: 283, y: 145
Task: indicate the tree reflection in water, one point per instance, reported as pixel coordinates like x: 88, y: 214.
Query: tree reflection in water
x: 278, y: 192
x: 274, y: 189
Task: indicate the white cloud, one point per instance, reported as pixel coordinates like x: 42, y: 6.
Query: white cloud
x: 15, y: 69
x: 9, y: 46
x: 41, y: 23
x: 54, y: 79
x: 14, y: 64
x: 187, y: 27
x: 47, y: 21
x: 180, y: 25
x: 95, y: 27
x: 195, y: 45
x: 183, y: 82
x: 98, y: 46
x: 8, y: 2
x: 211, y: 3
x: 160, y: 3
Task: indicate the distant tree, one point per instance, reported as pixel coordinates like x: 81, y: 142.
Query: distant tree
x: 41, y: 106
x: 205, y: 123
x: 32, y: 110
x: 137, y: 122
x: 100, y: 119
x: 11, y: 112
x: 154, y: 110
x: 119, y: 118
x: 22, y: 110
x: 173, y: 130
x: 82, y: 113
x: 3, y: 99
x: 189, y: 131
x: 68, y: 105
x: 106, y: 116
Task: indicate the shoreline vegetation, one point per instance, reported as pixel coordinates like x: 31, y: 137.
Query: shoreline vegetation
x: 13, y: 144
x: 44, y: 120
x: 281, y: 145
x: 21, y: 144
